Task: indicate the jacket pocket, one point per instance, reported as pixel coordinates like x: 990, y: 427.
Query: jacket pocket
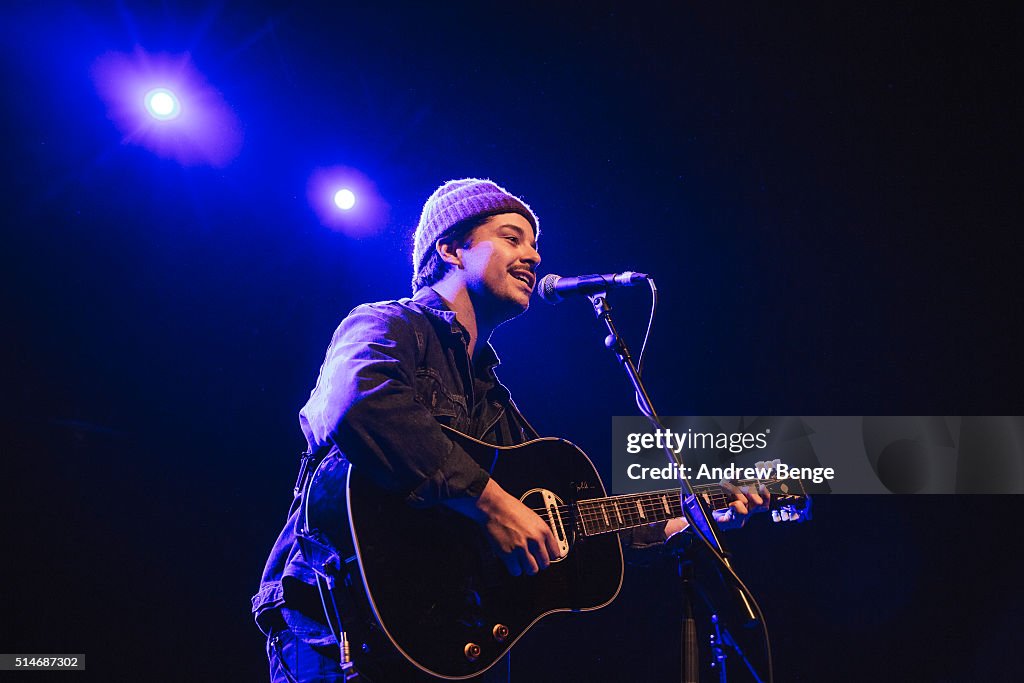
x: 446, y: 405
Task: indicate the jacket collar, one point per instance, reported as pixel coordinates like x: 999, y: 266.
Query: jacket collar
x: 434, y: 305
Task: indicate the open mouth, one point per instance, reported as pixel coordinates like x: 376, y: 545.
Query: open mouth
x: 526, y: 278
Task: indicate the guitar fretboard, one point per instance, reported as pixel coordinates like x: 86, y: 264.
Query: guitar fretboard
x: 604, y: 515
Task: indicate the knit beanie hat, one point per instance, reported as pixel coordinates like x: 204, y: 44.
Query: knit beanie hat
x: 457, y: 200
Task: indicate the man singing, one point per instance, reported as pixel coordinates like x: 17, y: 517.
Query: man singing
x: 396, y: 370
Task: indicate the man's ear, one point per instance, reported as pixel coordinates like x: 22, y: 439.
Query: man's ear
x: 448, y: 250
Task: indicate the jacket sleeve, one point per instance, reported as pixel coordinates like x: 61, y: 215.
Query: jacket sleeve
x: 365, y: 403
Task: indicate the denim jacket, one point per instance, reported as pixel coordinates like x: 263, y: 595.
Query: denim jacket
x: 393, y: 372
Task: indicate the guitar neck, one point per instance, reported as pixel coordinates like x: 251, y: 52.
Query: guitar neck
x: 615, y: 513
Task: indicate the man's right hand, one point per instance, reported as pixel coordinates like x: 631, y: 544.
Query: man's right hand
x: 520, y: 537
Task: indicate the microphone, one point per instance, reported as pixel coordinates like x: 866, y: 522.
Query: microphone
x: 554, y: 288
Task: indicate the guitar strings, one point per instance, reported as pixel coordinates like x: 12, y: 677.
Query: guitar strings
x: 591, y: 507
x: 653, y: 498
x: 595, y: 516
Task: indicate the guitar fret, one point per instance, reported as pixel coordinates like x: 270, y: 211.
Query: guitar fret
x: 651, y: 503
x: 635, y: 517
x: 591, y: 518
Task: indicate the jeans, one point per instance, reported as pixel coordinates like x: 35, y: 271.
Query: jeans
x: 294, y: 661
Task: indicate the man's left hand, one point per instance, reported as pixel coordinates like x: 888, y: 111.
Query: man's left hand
x: 746, y: 501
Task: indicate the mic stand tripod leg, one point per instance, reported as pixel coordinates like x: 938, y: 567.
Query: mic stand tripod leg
x: 689, y: 652
x: 721, y: 638
x: 718, y: 655
x: 725, y: 638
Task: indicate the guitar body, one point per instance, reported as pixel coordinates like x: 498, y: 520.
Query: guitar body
x: 434, y: 585
x: 437, y: 589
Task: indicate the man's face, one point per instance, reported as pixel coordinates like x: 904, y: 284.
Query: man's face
x: 500, y: 260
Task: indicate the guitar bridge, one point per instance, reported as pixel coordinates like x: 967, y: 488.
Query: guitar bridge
x: 554, y: 515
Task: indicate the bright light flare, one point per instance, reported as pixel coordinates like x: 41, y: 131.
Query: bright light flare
x: 344, y: 199
x: 162, y: 105
x: 332, y: 192
x: 144, y: 94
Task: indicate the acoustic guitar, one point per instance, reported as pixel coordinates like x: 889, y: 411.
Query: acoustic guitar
x: 436, y: 588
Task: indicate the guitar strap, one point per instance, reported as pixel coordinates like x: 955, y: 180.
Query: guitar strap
x: 327, y: 562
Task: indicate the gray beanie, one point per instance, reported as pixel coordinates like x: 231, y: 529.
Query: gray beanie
x: 457, y: 200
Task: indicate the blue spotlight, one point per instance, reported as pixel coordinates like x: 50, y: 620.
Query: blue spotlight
x: 162, y: 104
x: 344, y: 199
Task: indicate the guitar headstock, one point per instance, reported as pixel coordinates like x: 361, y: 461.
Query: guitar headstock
x: 790, y: 500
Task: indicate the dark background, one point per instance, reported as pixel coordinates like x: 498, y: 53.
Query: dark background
x: 824, y: 194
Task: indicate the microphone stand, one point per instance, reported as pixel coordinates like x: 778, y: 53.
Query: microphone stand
x: 688, y: 653
x: 693, y: 507
x: 721, y: 637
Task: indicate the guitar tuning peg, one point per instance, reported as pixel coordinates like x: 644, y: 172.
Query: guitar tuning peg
x: 785, y: 514
x: 776, y: 516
